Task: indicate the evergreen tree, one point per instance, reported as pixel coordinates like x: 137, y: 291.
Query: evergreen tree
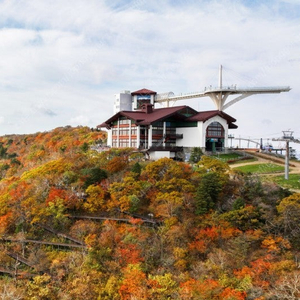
x: 207, y: 193
x: 196, y: 154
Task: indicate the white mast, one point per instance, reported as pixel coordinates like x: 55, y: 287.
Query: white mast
x: 220, y: 77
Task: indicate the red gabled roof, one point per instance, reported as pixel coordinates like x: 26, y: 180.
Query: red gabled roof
x: 141, y: 117
x: 162, y: 113
x: 143, y: 92
x: 205, y: 115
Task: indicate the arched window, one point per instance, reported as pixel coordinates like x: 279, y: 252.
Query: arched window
x: 215, y: 129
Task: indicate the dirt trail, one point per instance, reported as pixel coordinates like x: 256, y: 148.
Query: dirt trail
x: 294, y: 166
x: 266, y: 158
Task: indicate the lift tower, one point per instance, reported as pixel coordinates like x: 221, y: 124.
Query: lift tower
x: 220, y: 94
x: 287, y: 137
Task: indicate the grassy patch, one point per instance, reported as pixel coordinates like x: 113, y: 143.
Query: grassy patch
x: 232, y: 158
x: 292, y: 183
x: 227, y: 156
x: 245, y: 159
x: 261, y: 168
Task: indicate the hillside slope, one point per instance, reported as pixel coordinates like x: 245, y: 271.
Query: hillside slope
x: 76, y: 223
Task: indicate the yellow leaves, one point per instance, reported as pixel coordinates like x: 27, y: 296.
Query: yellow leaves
x: 282, y: 267
x: 162, y: 286
x: 95, y: 199
x: 109, y: 291
x: 276, y: 244
x: 166, y: 169
x: 208, y: 163
x: 293, y: 200
x: 54, y: 167
x: 124, y: 203
x: 180, y: 258
x: 85, y: 286
x: 126, y: 195
x: 57, y: 210
x: 40, y: 288
x: 179, y: 184
x: 91, y: 240
x: 167, y: 204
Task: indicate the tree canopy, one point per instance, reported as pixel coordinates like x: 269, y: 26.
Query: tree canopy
x: 80, y: 221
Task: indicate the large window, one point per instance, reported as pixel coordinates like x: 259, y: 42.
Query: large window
x: 215, y: 129
x: 124, y: 121
x: 124, y: 132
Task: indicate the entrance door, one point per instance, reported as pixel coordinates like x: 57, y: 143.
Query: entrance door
x: 214, y: 137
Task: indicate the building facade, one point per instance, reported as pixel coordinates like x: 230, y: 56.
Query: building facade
x: 167, y: 132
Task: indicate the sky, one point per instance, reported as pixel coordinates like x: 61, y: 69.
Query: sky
x: 62, y: 61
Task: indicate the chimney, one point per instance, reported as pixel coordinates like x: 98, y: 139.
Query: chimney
x: 147, y: 108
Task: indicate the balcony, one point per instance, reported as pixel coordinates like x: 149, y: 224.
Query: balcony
x: 166, y: 148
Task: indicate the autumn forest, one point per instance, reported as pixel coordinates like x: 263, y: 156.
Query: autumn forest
x: 79, y: 221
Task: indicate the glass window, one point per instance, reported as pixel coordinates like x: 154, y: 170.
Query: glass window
x: 215, y: 129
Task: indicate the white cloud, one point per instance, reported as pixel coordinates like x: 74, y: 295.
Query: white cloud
x: 63, y: 61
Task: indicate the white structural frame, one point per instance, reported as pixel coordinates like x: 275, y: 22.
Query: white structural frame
x: 220, y: 94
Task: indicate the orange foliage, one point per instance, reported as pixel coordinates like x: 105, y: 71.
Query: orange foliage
x: 193, y: 289
x: 275, y: 245
x: 231, y: 294
x: 116, y: 164
x: 134, y: 284
x: 4, y: 222
x: 128, y: 254
x: 205, y: 237
x: 258, y: 271
x: 18, y: 191
x: 55, y: 194
x: 135, y: 221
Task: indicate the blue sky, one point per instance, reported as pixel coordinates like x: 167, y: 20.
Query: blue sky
x: 61, y: 62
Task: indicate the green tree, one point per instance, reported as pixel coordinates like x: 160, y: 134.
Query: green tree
x: 84, y: 147
x: 136, y: 168
x: 238, y: 203
x: 93, y: 176
x: 208, y: 192
x: 196, y: 155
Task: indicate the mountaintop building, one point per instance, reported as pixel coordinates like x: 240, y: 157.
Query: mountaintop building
x: 165, y: 132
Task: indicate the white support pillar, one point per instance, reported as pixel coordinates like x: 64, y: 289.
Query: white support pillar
x: 118, y: 134
x: 164, y: 133
x: 150, y: 136
x: 287, y: 163
x: 129, y: 136
x: 138, y: 136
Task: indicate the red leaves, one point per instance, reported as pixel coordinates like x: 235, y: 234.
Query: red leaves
x: 258, y: 271
x: 55, y: 194
x: 128, y: 254
x: 205, y: 237
x: 5, y: 221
